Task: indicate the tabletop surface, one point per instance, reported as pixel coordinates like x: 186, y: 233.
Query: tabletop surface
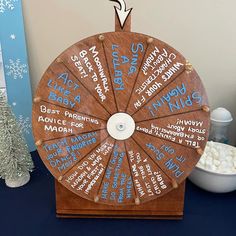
x: 30, y: 210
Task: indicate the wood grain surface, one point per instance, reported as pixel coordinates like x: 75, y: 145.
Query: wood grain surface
x: 120, y: 72
x: 169, y: 206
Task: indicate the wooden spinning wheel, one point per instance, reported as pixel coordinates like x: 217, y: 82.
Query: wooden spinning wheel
x: 120, y: 118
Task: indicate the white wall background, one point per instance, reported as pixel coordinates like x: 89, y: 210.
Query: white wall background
x: 204, y: 31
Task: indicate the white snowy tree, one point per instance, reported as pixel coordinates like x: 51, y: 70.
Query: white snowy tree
x: 15, y: 159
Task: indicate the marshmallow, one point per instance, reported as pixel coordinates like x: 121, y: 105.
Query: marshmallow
x: 218, y: 158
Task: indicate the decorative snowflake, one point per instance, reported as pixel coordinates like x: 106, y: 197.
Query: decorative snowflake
x: 13, y: 36
x: 25, y: 124
x: 16, y: 69
x: 7, y: 5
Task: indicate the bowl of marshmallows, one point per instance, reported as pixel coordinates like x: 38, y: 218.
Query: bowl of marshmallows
x: 216, y: 170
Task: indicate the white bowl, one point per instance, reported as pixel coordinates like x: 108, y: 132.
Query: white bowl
x: 212, y: 181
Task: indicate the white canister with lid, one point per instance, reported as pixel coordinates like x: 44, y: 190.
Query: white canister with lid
x: 220, y: 121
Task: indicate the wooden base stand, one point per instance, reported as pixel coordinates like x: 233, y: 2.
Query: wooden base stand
x: 69, y: 205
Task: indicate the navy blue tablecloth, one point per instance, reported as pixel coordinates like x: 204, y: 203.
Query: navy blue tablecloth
x: 30, y: 210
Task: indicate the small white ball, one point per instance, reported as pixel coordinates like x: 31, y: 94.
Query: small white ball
x: 202, y: 162
x: 216, y: 162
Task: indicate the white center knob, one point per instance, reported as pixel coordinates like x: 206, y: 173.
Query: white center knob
x: 121, y: 126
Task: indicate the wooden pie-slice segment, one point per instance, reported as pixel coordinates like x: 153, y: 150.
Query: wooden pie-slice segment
x: 186, y: 93
x: 117, y: 185
x: 162, y: 64
x: 56, y: 122
x: 149, y: 180
x: 175, y: 160
x: 62, y: 154
x: 87, y: 61
x: 189, y: 129
x: 125, y: 52
x: 58, y: 86
x: 85, y: 178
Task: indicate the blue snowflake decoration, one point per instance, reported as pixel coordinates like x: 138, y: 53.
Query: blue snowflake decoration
x: 7, y: 5
x: 15, y: 69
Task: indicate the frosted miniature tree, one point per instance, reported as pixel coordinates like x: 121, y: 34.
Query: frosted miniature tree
x: 15, y: 159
